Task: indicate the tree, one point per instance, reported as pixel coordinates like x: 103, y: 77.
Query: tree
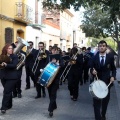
x: 110, y: 9
x: 100, y: 23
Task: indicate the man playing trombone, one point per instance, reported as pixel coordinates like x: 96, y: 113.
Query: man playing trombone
x: 39, y: 63
x: 75, y: 71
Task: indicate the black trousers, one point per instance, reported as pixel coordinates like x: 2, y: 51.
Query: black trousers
x: 17, y: 88
x: 73, y: 83
x: 52, y: 90
x: 29, y: 75
x: 38, y: 86
x: 100, y: 106
x: 86, y: 76
x: 7, y: 93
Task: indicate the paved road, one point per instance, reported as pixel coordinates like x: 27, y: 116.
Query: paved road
x: 28, y: 108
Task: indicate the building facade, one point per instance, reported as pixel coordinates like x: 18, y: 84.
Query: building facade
x: 80, y: 38
x: 66, y: 29
x: 51, y: 31
x: 33, y: 31
x: 14, y: 18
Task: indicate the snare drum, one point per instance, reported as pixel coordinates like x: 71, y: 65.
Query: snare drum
x: 98, y: 89
x: 48, y: 74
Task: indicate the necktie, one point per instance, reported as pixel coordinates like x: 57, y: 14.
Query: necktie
x: 102, y: 61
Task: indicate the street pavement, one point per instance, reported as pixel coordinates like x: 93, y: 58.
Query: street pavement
x: 29, y: 108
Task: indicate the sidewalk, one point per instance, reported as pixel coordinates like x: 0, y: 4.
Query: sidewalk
x: 28, y: 108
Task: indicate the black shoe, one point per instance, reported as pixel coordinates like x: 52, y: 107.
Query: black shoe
x: 14, y: 96
x: 19, y: 95
x: 3, y: 111
x: 71, y: 96
x: 74, y: 99
x: 50, y: 114
x: 34, y: 85
x: 103, y: 118
x: 37, y: 97
x: 81, y: 83
x: 9, y: 108
x: 27, y: 88
x: 44, y: 94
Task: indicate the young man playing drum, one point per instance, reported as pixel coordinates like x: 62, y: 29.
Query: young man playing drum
x: 102, y: 65
x: 52, y: 89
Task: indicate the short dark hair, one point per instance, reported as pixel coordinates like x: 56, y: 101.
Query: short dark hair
x: 50, y: 46
x: 89, y: 48
x: 102, y: 42
x: 55, y: 47
x: 83, y: 48
x: 41, y: 43
x: 75, y: 44
x: 30, y: 42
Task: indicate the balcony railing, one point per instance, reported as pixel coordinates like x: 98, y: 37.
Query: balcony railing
x: 23, y: 12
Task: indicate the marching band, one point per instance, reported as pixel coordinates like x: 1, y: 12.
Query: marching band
x: 49, y: 69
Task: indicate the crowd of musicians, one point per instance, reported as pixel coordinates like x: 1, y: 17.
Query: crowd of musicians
x: 80, y: 62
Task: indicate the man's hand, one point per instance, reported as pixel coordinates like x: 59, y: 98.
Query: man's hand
x: 54, y: 60
x: 94, y: 72
x: 112, y: 79
x: 4, y: 64
x: 39, y: 58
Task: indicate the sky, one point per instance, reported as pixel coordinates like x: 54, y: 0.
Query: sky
x: 78, y: 16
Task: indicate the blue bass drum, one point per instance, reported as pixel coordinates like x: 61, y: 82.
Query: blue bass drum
x: 48, y: 74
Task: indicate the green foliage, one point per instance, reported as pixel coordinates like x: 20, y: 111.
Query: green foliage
x: 109, y: 41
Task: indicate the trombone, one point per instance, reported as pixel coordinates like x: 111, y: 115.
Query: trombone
x: 42, y: 54
x: 73, y: 58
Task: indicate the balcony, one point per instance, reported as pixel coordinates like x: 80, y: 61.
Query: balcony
x: 23, y: 13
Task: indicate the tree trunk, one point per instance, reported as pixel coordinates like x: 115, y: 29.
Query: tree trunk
x: 118, y: 58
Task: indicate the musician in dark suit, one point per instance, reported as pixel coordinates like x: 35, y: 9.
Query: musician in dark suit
x: 75, y: 73
x: 30, y: 58
x: 41, y: 58
x: 9, y: 77
x: 52, y: 89
x: 17, y: 89
x: 87, y: 57
x: 103, y: 66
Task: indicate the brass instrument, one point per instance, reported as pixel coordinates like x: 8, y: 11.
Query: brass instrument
x: 21, y: 56
x: 42, y: 55
x: 70, y: 63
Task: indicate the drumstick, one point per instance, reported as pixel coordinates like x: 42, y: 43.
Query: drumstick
x: 108, y: 85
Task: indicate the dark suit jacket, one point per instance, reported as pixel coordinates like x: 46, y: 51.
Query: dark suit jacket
x: 42, y: 62
x: 108, y: 70
x: 10, y: 72
x: 78, y: 65
x: 30, y: 58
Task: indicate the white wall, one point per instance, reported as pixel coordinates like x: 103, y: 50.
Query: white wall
x: 33, y: 34
x: 50, y: 33
x: 66, y: 29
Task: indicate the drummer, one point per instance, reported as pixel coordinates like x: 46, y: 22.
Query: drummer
x: 103, y: 66
x: 52, y: 89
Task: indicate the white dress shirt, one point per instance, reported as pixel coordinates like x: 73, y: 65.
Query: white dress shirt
x: 100, y: 57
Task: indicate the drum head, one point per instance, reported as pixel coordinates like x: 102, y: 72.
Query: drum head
x: 54, y: 72
x: 100, y: 89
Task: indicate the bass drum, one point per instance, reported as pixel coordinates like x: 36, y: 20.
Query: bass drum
x: 98, y: 89
x: 48, y: 74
